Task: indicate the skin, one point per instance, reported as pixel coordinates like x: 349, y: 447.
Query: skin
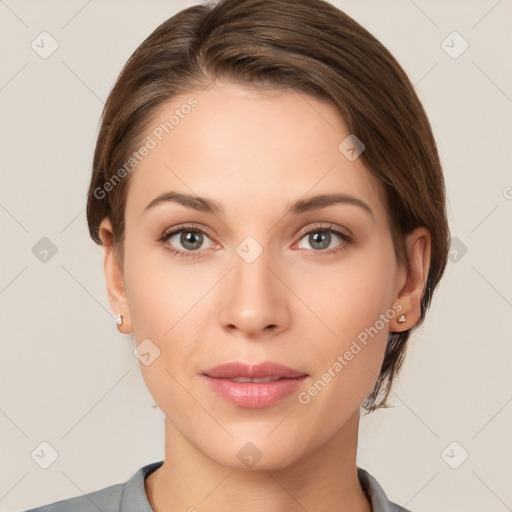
x: 255, y: 153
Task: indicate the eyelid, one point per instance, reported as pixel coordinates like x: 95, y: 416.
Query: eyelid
x: 328, y: 226
x: 182, y: 227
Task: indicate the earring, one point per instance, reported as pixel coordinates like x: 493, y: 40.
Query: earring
x: 119, y: 319
x: 401, y: 319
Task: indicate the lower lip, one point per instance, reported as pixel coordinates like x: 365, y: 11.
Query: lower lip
x: 254, y: 395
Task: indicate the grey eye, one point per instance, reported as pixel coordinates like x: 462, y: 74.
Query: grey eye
x: 321, y: 239
x: 188, y: 239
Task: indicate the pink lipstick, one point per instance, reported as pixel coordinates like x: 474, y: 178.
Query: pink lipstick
x: 254, y: 386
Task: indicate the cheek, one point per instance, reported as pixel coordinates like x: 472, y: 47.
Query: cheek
x: 166, y: 301
x: 161, y: 310
x: 157, y: 290
x: 351, y: 296
x: 354, y: 305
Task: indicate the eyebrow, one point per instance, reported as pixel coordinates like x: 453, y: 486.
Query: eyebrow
x: 203, y: 204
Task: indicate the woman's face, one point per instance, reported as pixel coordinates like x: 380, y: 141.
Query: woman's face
x: 270, y: 275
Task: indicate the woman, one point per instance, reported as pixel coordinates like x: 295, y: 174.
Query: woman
x: 269, y: 197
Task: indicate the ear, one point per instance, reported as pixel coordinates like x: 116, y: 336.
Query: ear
x: 413, y: 280
x: 114, y: 277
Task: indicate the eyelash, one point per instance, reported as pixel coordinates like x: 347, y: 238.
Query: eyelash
x: 345, y: 239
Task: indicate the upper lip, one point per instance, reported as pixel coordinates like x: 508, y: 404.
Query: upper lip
x: 255, y: 371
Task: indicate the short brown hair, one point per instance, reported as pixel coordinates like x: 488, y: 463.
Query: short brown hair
x: 308, y: 46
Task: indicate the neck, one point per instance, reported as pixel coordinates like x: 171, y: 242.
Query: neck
x: 325, y: 479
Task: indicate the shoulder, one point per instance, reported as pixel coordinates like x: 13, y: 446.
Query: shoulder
x: 106, y: 500
x: 114, y: 498
x: 378, y: 498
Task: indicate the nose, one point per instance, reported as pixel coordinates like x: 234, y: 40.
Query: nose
x: 254, y: 302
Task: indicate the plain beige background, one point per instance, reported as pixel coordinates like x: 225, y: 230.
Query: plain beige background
x: 68, y: 378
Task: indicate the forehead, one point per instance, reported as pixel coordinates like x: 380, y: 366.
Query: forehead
x: 229, y: 142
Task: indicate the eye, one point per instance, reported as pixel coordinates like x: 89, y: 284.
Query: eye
x: 186, y: 241
x: 326, y: 239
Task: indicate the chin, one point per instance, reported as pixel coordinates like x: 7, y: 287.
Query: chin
x: 260, y: 454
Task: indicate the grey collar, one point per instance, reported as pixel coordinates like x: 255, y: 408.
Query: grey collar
x: 134, y: 498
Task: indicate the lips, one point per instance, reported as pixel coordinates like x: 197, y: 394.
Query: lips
x: 249, y: 379
x: 259, y: 371
x: 254, y: 386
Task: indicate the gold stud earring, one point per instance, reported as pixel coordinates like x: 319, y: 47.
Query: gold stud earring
x: 401, y: 319
x: 119, y: 319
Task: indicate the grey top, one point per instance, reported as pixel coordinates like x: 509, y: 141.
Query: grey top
x: 131, y: 496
